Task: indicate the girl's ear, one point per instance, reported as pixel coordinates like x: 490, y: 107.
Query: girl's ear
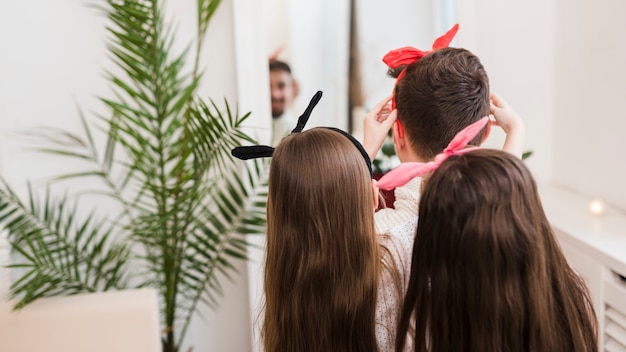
x: 375, y: 193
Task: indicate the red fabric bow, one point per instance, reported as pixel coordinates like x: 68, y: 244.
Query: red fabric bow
x: 408, y: 54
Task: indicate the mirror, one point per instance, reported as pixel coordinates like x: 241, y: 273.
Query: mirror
x: 337, y: 46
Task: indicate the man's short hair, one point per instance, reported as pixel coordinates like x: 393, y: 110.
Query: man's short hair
x: 277, y: 65
x: 442, y: 93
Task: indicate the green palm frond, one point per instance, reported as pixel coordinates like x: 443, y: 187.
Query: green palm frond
x: 61, y: 254
x: 84, y: 149
x: 186, y: 204
x: 212, y: 134
x: 206, y: 9
x: 235, y: 209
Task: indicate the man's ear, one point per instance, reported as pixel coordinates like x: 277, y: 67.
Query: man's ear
x: 487, y: 132
x: 296, y: 88
x: 398, y: 135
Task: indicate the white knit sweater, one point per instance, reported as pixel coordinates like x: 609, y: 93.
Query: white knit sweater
x: 396, y: 229
x: 405, y: 207
x: 399, y: 242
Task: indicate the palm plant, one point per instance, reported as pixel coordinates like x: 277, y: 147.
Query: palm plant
x: 184, y: 204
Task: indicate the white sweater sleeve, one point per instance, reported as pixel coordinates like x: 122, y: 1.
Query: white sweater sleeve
x: 405, y: 208
x: 399, y: 243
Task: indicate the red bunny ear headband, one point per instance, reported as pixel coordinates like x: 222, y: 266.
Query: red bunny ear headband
x: 407, y: 171
x: 408, y: 54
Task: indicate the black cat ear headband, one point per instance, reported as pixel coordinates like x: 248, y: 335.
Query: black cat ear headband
x: 264, y: 151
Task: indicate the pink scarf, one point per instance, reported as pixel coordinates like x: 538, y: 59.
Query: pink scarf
x: 407, y: 171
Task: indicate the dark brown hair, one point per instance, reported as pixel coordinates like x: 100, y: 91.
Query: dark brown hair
x: 322, y: 262
x: 442, y: 93
x: 487, y: 273
x: 277, y: 65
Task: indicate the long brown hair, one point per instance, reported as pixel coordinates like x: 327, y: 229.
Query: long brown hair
x: 322, y: 261
x: 442, y: 93
x: 487, y: 273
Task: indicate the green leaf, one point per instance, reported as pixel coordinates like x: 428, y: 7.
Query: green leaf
x: 50, y: 241
x: 527, y: 154
x: 183, y: 204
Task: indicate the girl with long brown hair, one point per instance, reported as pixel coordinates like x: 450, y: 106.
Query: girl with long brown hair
x: 487, y: 273
x: 329, y: 280
x: 322, y: 261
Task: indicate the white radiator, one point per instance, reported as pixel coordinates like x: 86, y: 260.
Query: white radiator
x: 595, y: 245
x: 615, y: 314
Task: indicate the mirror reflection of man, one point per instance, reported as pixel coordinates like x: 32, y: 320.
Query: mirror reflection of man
x: 284, y: 90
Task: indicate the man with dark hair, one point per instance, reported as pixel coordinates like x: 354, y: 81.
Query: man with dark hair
x: 436, y: 97
x: 284, y: 90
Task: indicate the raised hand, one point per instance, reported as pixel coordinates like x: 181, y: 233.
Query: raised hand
x: 376, y: 126
x: 510, y: 122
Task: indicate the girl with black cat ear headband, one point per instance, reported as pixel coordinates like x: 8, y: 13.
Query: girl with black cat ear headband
x: 326, y: 271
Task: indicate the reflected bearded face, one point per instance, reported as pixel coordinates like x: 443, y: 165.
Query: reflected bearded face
x: 282, y: 91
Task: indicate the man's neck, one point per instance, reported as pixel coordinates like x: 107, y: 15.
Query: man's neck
x: 409, y: 156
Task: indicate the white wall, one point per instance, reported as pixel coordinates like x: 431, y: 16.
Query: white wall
x: 560, y: 64
x: 51, y: 58
x: 518, y: 54
x: 590, y: 98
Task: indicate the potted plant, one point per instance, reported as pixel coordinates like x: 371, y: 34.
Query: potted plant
x: 184, y: 204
